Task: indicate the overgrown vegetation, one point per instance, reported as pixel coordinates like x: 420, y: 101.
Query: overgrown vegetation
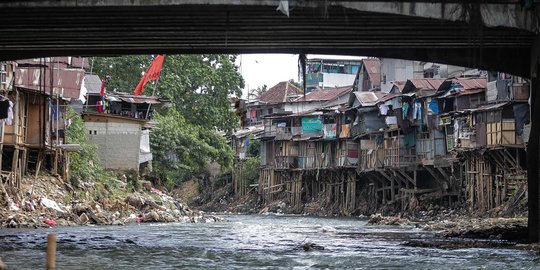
x: 182, y: 150
x: 251, y: 170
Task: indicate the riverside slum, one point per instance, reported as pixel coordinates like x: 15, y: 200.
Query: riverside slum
x: 35, y: 185
x: 452, y: 142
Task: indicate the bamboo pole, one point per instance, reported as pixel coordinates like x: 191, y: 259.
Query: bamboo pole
x: 51, y: 251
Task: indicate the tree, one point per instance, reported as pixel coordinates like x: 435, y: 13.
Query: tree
x: 200, y: 87
x: 182, y: 150
x: 297, y: 84
x: 124, y: 72
x: 256, y: 93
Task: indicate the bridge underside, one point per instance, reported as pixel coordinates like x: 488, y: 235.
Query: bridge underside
x: 53, y: 31
x: 32, y: 28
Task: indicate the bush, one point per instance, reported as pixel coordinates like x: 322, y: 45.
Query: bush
x: 251, y: 170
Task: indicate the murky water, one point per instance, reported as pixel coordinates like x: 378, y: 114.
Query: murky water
x: 255, y: 242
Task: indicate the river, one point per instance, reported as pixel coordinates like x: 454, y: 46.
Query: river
x: 254, y: 242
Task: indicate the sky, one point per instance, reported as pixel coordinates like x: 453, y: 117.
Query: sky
x: 270, y: 69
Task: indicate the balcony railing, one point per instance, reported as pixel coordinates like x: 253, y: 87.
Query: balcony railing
x: 371, y: 159
x: 399, y: 157
x: 283, y: 133
x: 306, y: 162
x: 286, y: 162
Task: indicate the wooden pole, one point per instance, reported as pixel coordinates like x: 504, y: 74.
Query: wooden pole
x: 51, y: 251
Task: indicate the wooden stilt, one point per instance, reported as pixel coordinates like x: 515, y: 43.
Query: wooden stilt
x: 51, y: 251
x: 39, y: 161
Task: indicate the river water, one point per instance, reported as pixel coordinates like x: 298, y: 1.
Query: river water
x: 254, y: 242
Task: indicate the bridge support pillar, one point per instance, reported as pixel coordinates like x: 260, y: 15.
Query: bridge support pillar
x: 533, y: 148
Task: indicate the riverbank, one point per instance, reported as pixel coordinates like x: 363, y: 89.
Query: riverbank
x: 455, y: 227
x: 49, y: 201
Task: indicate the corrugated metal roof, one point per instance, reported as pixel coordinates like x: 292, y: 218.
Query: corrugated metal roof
x: 324, y: 94
x: 462, y: 86
x: 489, y: 107
x: 92, y: 83
x: 367, y: 98
x: 66, y: 82
x: 373, y: 69
x: 399, y: 85
x: 249, y: 130
x: 471, y: 83
x: 279, y: 93
x: 389, y: 97
x: 117, y: 96
x: 422, y: 84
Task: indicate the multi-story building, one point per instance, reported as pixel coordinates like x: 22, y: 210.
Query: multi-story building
x: 328, y: 73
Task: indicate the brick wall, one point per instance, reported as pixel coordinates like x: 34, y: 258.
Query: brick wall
x: 118, y: 143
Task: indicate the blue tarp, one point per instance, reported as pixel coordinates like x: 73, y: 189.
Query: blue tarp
x: 521, y: 114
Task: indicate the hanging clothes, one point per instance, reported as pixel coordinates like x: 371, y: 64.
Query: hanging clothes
x: 8, y: 106
x: 4, y: 108
x: 456, y: 131
x: 99, y: 106
x: 405, y: 110
x: 383, y: 109
x: 9, y: 119
x: 417, y: 110
x: 379, y: 139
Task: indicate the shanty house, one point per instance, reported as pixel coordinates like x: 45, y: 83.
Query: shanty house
x: 368, y: 76
x: 120, y: 125
x: 34, y: 95
x: 272, y: 101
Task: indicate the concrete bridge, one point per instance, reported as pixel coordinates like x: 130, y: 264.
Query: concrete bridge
x: 498, y: 35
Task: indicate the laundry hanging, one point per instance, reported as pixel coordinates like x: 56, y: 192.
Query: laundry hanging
x: 6, y: 111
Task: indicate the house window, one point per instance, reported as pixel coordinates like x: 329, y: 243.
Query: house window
x: 90, y: 132
x: 3, y: 76
x: 95, y: 132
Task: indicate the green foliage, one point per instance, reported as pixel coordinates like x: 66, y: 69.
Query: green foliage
x: 256, y: 93
x: 124, y: 72
x: 200, y: 87
x: 297, y: 84
x: 251, y: 170
x: 182, y: 150
x: 254, y: 147
x: 84, y: 166
x: 222, y: 179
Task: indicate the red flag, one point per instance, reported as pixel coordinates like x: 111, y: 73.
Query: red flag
x: 102, y: 91
x: 151, y: 74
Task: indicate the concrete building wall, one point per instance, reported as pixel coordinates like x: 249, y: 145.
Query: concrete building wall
x: 298, y: 107
x: 337, y: 79
x: 395, y: 70
x: 118, y: 143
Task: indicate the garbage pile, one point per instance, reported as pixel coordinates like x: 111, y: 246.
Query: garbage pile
x: 48, y: 202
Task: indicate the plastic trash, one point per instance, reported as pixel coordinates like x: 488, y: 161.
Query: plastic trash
x: 50, y: 222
